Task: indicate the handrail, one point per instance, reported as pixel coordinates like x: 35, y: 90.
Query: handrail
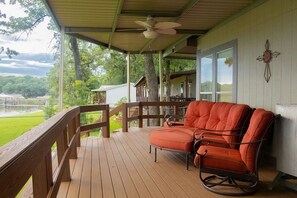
x: 30, y: 154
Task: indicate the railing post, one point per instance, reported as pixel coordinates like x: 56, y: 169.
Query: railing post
x: 77, y: 125
x: 42, y: 177
x: 105, y: 117
x: 124, y: 118
x: 71, y: 132
x: 62, y: 145
x: 140, y: 120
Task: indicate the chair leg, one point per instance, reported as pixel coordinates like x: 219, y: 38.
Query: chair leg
x: 150, y: 151
x: 155, y: 154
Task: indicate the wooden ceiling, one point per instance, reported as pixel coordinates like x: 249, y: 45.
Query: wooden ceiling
x: 111, y: 23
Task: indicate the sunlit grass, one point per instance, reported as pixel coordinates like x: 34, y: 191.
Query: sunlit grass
x: 13, y: 127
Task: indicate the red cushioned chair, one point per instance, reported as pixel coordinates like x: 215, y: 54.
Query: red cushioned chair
x: 235, y: 171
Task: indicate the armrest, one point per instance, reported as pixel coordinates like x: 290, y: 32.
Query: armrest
x: 171, y: 120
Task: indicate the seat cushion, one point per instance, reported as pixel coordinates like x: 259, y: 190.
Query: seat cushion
x: 221, y: 158
x: 171, y: 139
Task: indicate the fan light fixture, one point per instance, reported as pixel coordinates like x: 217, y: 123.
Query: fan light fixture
x: 150, y: 34
x: 154, y: 28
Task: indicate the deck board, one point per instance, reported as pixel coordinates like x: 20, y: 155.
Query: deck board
x: 120, y: 166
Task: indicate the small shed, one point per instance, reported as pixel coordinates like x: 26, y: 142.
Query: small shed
x: 112, y: 94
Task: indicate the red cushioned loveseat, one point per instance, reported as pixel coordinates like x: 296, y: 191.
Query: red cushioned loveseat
x: 201, y: 116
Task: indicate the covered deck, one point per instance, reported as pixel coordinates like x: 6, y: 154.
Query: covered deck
x: 121, y: 166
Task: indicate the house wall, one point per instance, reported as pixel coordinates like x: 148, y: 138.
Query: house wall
x: 114, y: 95
x: 276, y: 21
x: 175, y: 85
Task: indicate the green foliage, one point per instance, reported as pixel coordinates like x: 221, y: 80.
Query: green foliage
x: 28, y: 86
x: 36, y: 12
x: 24, y: 124
x: 50, y: 109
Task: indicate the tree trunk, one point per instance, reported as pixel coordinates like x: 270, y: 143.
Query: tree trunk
x: 167, y: 80
x: 76, y: 56
x: 152, y: 84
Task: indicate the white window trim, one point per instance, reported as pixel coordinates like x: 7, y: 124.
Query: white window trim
x: 213, y: 52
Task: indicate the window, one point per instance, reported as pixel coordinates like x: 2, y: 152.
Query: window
x: 217, y: 73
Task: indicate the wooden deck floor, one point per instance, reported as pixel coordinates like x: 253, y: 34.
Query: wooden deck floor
x: 121, y: 166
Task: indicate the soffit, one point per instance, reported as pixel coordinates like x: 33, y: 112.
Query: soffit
x: 111, y: 23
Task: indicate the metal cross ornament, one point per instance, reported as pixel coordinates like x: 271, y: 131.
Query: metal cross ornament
x: 266, y: 58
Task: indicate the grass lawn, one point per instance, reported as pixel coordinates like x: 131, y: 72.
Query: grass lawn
x: 13, y: 127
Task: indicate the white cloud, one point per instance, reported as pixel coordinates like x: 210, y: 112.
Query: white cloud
x: 34, y: 50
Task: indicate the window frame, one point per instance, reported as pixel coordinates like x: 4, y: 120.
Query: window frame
x: 213, y: 53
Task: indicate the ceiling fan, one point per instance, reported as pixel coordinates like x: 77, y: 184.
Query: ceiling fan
x: 154, y: 28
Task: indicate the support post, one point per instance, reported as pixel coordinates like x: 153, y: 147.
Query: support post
x: 61, y: 70
x: 140, y: 120
x: 124, y: 118
x: 161, y: 83
x: 128, y: 77
x: 106, y: 133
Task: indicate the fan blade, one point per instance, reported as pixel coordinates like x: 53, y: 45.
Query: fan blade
x: 166, y: 31
x: 166, y: 25
x: 144, y: 24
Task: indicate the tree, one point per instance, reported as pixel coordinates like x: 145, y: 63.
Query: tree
x: 152, y: 84
x: 167, y: 83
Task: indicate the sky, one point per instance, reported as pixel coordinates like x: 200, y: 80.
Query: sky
x: 35, y: 50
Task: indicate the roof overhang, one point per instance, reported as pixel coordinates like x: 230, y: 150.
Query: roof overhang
x: 111, y: 23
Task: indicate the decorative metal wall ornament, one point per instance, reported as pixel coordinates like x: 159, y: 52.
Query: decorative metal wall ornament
x: 266, y: 58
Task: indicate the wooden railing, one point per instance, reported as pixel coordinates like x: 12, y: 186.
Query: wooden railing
x: 30, y: 155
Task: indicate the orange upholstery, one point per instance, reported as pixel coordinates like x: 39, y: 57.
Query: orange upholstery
x: 197, y: 114
x: 236, y: 118
x: 242, y: 160
x: 221, y: 158
x: 201, y: 115
x: 234, y: 169
x: 170, y: 139
x: 226, y: 116
x: 259, y: 121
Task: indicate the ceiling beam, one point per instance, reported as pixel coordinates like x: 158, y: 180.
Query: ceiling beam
x: 147, y: 44
x: 186, y: 8
x: 152, y: 13
x: 171, y: 49
x: 115, y: 21
x: 96, y: 42
x: 126, y: 30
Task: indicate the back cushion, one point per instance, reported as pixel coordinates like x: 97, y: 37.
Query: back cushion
x: 218, y: 116
x: 236, y: 119
x: 198, y: 114
x: 258, y: 124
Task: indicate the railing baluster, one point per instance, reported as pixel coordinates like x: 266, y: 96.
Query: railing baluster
x: 71, y: 133
x: 140, y: 120
x: 77, y: 125
x: 62, y: 145
x: 42, y: 177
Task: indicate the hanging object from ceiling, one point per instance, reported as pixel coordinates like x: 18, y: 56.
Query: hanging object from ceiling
x: 154, y: 28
